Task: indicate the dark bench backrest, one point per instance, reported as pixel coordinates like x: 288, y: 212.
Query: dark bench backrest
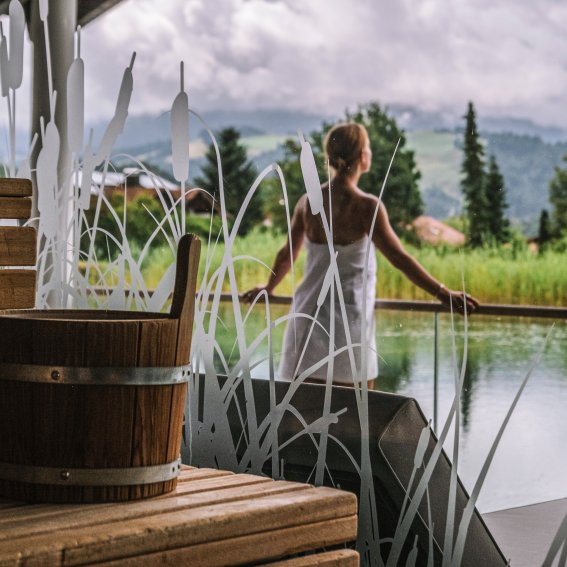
x: 395, y: 426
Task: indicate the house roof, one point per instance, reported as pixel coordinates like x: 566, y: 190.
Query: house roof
x: 137, y: 177
x: 434, y: 231
x: 87, y: 10
x: 138, y: 180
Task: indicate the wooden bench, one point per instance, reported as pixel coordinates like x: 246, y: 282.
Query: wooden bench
x: 213, y: 518
x: 17, y: 246
x: 395, y: 424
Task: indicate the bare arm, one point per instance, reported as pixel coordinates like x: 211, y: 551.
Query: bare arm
x: 282, y: 262
x: 387, y: 241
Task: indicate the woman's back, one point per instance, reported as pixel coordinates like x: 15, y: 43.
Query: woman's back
x: 346, y: 214
x: 353, y: 217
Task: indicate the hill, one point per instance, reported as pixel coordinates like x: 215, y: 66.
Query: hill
x: 526, y: 162
x: 526, y: 152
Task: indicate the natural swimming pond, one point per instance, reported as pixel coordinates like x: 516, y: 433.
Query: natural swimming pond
x: 531, y: 460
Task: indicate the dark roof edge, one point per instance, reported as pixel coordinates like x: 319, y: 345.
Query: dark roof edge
x: 87, y: 10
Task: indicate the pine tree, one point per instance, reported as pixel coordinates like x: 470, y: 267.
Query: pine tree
x: 294, y: 185
x: 558, y: 198
x: 473, y: 182
x: 401, y: 194
x: 238, y: 176
x: 497, y: 224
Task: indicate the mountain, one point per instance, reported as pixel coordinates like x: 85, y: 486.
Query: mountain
x: 411, y: 118
x: 525, y: 151
x: 526, y: 162
x: 147, y: 129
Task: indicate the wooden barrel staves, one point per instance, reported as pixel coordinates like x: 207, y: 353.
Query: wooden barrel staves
x: 92, y: 402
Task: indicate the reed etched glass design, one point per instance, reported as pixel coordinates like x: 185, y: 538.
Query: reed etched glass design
x: 225, y: 427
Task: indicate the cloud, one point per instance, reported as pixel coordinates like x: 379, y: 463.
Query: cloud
x: 325, y: 55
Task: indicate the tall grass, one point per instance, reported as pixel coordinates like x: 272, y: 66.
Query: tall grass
x: 513, y: 275
x: 493, y: 275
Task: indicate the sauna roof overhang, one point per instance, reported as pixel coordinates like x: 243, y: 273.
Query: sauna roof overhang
x: 87, y: 10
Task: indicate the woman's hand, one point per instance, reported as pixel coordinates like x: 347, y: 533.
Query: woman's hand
x: 250, y: 295
x: 457, y: 300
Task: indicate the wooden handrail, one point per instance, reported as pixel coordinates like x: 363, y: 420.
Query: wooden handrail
x: 494, y: 309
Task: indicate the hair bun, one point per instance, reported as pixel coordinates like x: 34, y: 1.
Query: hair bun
x: 344, y: 144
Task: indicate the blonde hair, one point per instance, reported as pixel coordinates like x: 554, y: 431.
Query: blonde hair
x: 344, y: 144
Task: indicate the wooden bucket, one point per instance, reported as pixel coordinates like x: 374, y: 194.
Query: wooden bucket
x: 92, y: 402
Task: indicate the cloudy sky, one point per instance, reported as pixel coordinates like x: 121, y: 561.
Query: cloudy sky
x: 508, y: 56
x: 323, y: 56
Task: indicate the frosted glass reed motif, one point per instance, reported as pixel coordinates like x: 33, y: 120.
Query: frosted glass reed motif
x: 70, y: 274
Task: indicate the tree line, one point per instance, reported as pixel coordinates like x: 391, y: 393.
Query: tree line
x: 482, y: 184
x: 402, y: 196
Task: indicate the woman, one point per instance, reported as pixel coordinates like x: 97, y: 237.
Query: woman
x: 350, y: 212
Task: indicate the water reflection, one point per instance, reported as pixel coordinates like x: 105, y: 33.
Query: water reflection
x: 531, y: 460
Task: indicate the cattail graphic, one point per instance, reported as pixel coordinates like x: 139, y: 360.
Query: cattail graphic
x: 180, y: 133
x: 180, y: 140
x: 16, y: 52
x: 310, y: 176
x: 422, y: 446
x: 76, y: 100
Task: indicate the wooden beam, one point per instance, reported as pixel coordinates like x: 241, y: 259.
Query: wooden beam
x: 87, y: 10
x: 15, y: 208
x: 14, y: 187
x: 17, y: 289
x: 18, y: 246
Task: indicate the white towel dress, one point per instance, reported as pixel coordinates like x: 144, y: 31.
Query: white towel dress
x: 351, y: 262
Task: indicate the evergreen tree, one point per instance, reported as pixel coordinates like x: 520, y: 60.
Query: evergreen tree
x: 238, y: 176
x: 473, y: 182
x: 544, y: 233
x: 497, y: 224
x: 401, y: 195
x: 558, y: 198
x: 294, y: 184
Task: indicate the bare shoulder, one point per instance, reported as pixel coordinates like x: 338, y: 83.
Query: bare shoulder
x: 301, y: 202
x: 300, y: 206
x: 298, y: 216
x: 367, y: 205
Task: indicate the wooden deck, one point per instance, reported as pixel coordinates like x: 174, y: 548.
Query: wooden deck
x: 212, y: 518
x: 525, y: 534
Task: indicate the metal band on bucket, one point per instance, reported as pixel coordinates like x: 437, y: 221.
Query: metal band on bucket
x: 98, y: 376
x: 90, y: 477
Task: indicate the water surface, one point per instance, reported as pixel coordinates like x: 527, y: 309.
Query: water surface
x: 531, y: 459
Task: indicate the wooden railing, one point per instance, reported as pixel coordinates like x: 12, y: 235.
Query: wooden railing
x: 500, y: 310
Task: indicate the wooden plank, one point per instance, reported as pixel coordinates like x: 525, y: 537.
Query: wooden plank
x: 194, y: 526
x: 15, y: 187
x: 191, y: 480
x: 5, y: 504
x: 196, y: 473
x: 26, y: 514
x: 17, y: 289
x: 254, y: 548
x: 526, y: 533
x: 18, y: 246
x: 204, y: 485
x: 337, y: 558
x: 15, y: 208
x: 183, y: 300
x: 65, y: 517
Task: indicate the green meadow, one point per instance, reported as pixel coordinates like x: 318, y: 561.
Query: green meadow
x: 514, y: 274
